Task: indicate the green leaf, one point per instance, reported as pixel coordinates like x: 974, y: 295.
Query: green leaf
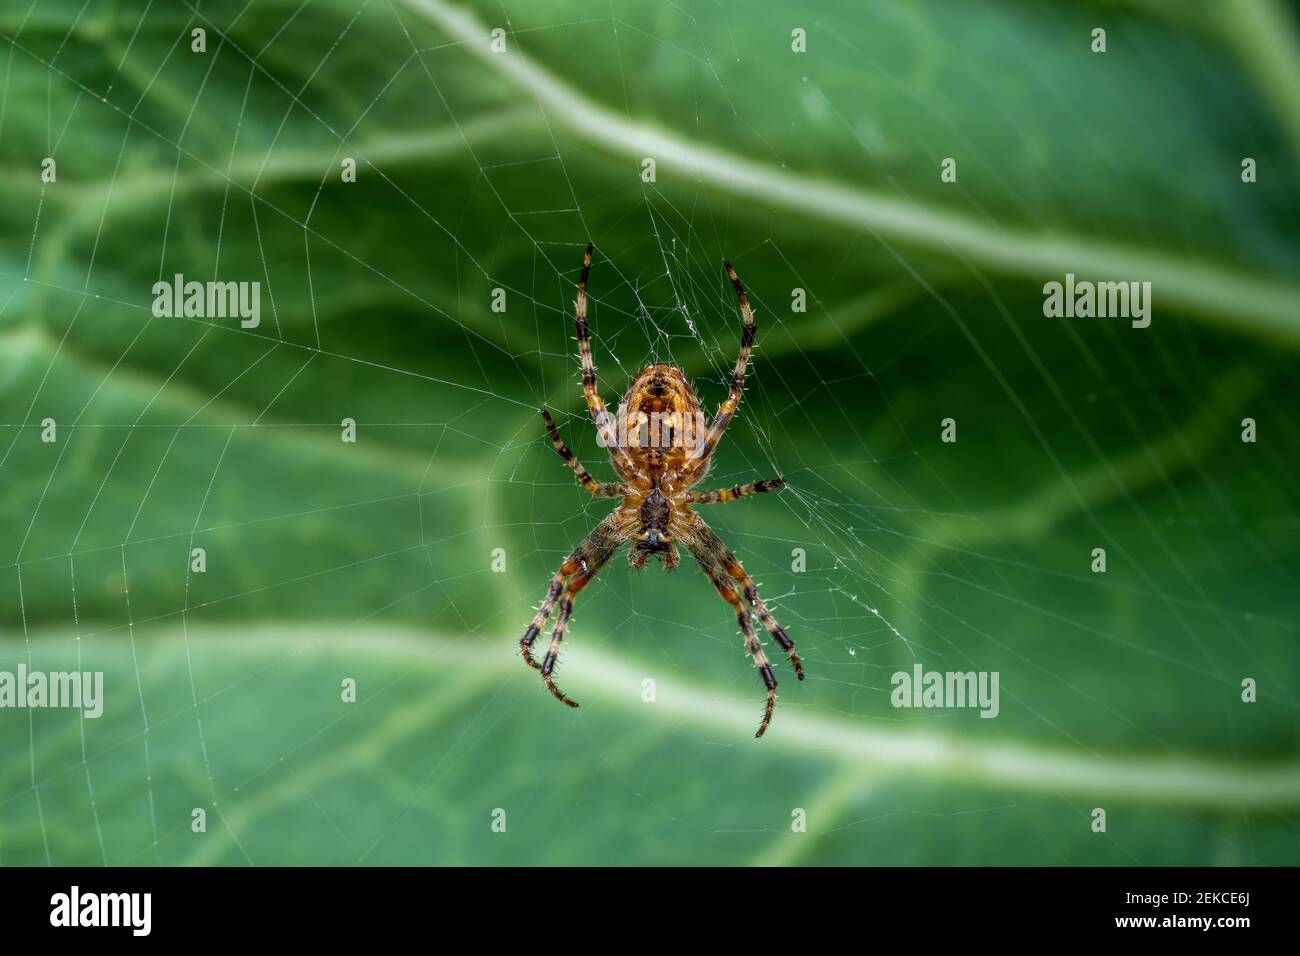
x: 372, y: 560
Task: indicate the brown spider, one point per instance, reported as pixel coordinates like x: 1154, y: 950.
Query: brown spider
x: 659, y: 451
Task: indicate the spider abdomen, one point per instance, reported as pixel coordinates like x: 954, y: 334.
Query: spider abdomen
x: 661, y: 419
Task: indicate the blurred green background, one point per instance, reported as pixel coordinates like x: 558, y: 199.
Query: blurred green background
x: 818, y: 170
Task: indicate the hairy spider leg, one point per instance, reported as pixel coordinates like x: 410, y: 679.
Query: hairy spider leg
x: 576, y: 584
x: 578, y: 569
x: 714, y: 558
x: 601, y: 489
x: 595, y: 404
x: 724, y: 495
x: 590, y: 554
x: 728, y: 407
x: 749, y: 589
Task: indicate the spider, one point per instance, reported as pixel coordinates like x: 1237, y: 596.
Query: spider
x: 657, y: 467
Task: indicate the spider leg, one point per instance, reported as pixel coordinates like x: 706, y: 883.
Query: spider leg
x: 764, y: 615
x: 573, y: 575
x: 576, y: 584
x: 579, y: 558
x: 733, y: 567
x: 544, y: 611
x: 714, y: 558
x: 595, y: 404
x: 728, y: 408
x: 599, y: 489
x: 724, y: 495
x: 671, y: 557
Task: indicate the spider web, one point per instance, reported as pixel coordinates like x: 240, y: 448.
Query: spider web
x: 374, y: 561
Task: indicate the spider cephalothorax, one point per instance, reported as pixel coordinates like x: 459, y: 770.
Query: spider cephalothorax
x: 660, y: 444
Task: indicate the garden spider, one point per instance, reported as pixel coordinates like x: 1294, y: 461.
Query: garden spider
x: 658, y: 466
